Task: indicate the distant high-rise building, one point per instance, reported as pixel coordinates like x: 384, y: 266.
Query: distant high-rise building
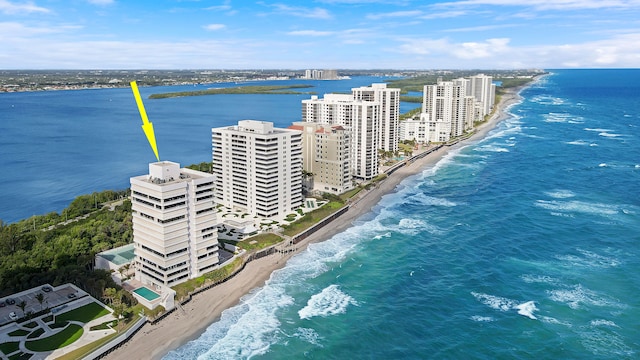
x: 444, y: 102
x: 321, y: 74
x: 174, y: 224
x: 258, y: 168
x: 326, y: 154
x: 483, y: 90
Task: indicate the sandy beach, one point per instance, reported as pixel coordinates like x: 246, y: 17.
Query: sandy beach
x: 191, y: 320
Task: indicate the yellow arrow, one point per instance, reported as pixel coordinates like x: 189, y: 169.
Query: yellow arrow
x: 147, y: 126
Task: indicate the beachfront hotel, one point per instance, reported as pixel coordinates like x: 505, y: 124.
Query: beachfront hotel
x: 258, y: 168
x: 360, y: 117
x: 174, y: 224
x: 326, y: 154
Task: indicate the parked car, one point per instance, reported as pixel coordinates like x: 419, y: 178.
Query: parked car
x: 13, y: 315
x: 2, y: 304
x: 71, y: 296
x: 46, y: 288
x: 10, y: 301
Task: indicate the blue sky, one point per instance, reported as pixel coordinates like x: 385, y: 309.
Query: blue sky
x: 342, y: 34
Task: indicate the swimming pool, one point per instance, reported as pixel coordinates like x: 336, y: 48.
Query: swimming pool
x: 146, y: 293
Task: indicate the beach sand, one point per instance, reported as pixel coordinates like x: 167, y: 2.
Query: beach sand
x: 191, y: 320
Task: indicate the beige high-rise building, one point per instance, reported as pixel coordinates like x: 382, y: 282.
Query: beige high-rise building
x: 360, y: 117
x: 258, y: 168
x: 174, y: 224
x: 326, y: 154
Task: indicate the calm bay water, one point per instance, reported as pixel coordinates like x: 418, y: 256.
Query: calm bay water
x: 57, y: 145
x: 522, y: 245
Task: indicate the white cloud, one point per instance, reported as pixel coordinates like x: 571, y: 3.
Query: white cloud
x: 548, y: 4
x: 10, y: 8
x: 101, y: 2
x: 618, y: 51
x: 214, y: 27
x: 15, y: 30
x: 395, y: 14
x: 315, y: 13
x: 310, y: 33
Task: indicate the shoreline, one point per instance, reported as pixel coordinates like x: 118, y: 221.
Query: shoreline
x: 190, y: 321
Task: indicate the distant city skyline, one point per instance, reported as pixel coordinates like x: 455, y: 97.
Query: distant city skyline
x: 322, y: 34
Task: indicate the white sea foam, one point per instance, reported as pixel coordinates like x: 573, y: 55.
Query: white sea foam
x: 552, y: 320
x: 308, y: 335
x: 561, y: 194
x: 577, y: 296
x: 385, y: 235
x: 539, y: 279
x: 330, y: 301
x: 491, y: 148
x: 598, y: 130
x: 482, y: 318
x: 602, y: 322
x: 548, y: 100
x: 243, y: 331
x: 604, y: 343
x: 416, y: 226
x: 561, y: 118
x: 424, y: 199
x: 581, y: 143
x: 589, y: 259
x: 579, y: 207
x: 505, y: 304
x: 495, y: 302
x: 527, y: 309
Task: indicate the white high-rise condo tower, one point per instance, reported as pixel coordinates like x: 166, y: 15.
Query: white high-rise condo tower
x: 174, y: 224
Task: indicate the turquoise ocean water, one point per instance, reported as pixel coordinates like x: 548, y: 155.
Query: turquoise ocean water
x: 521, y: 245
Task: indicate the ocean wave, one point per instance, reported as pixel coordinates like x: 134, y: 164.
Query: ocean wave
x: 308, y: 335
x: 602, y: 322
x: 561, y: 194
x: 577, y: 296
x: 562, y: 118
x: 243, y: 331
x: 410, y: 226
x: 491, y: 148
x: 589, y: 259
x: 505, y: 304
x: 580, y: 207
x: 604, y: 342
x: 330, y: 301
x: 423, y: 199
x: 548, y: 100
x: 581, y: 143
x: 539, y: 279
x: 527, y: 309
x: 482, y: 318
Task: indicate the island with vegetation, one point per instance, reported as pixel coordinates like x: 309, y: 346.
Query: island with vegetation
x: 251, y: 89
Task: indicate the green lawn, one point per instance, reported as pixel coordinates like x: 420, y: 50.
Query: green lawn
x: 18, y: 332
x: 56, y: 341
x: 83, y: 314
x: 9, y: 347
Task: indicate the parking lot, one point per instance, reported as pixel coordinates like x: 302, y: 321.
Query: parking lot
x: 52, y: 298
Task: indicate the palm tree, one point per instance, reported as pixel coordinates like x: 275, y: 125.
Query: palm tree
x: 40, y: 297
x: 22, y: 305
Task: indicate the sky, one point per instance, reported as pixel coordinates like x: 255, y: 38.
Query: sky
x: 322, y: 34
